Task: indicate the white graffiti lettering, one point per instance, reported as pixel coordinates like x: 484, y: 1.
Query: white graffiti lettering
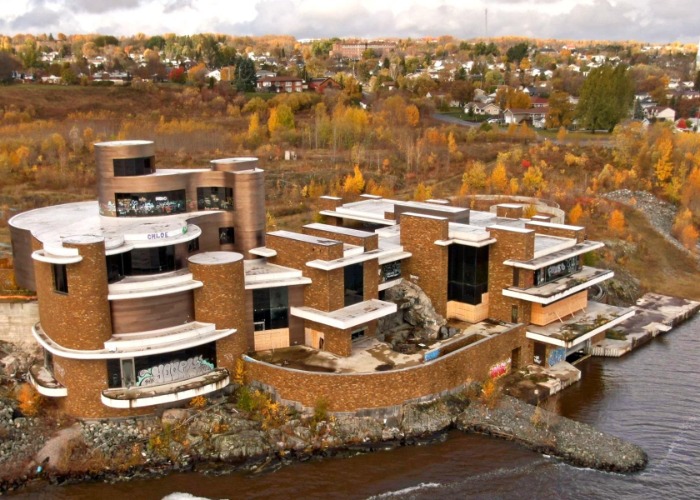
x: 174, y: 371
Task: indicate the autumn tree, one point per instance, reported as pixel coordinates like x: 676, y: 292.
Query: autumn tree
x: 616, y: 222
x: 354, y: 183
x: 561, y: 111
x: 663, y: 168
x: 474, y: 178
x: 499, y: 178
x: 422, y: 192
x: 533, y: 181
x: 575, y: 214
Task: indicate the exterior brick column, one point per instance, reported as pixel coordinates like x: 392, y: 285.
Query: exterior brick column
x: 429, y: 262
x: 222, y: 301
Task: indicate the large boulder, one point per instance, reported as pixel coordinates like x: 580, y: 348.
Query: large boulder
x: 415, y: 311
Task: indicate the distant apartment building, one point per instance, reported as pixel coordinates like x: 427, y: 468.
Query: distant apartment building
x: 355, y: 50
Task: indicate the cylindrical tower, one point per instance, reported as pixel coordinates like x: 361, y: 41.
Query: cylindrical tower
x: 222, y: 301
x: 117, y: 159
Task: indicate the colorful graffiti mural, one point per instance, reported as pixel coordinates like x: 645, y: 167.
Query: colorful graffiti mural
x: 500, y: 369
x: 555, y: 356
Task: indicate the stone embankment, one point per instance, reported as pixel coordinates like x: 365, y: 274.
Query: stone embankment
x: 219, y: 439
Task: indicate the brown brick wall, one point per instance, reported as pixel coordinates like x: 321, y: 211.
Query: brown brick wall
x: 222, y: 301
x: 335, y: 341
x: 350, y: 392
x: 429, y: 261
x: 509, y: 212
x: 326, y: 292
x: 369, y: 242
x: 85, y: 380
x: 509, y: 245
x: 579, y: 234
x: 81, y: 318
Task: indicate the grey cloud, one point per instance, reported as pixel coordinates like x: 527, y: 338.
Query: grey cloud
x: 175, y: 5
x: 35, y: 20
x: 101, y: 6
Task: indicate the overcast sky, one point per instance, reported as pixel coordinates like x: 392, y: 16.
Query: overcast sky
x: 642, y: 20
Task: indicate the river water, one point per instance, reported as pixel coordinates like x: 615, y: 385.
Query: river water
x: 650, y: 397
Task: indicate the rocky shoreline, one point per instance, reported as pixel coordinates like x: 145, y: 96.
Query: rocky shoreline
x: 219, y: 439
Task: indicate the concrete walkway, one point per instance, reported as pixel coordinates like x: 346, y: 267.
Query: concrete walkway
x: 656, y: 314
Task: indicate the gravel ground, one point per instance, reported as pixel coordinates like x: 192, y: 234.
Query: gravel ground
x: 659, y: 213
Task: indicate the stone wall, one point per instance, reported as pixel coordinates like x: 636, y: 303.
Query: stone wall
x: 575, y: 232
x: 350, y: 392
x: 16, y: 322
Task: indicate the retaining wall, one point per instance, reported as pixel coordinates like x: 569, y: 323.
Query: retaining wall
x: 17, y: 320
x: 350, y: 392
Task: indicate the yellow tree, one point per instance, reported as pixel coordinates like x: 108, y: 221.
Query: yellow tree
x: 533, y: 180
x: 575, y: 214
x: 474, y: 178
x: 499, y: 178
x: 412, y: 115
x: 355, y: 182
x: 616, y: 222
x: 422, y: 192
x: 664, y: 164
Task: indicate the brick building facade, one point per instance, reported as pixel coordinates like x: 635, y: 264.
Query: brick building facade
x: 153, y: 294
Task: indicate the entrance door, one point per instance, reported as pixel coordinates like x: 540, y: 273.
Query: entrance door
x: 515, y: 359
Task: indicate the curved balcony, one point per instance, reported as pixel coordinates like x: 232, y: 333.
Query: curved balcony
x: 45, y: 383
x: 140, y: 397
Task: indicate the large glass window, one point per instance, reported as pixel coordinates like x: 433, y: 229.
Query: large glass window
x: 152, y: 260
x: 124, y: 167
x: 354, y: 284
x: 161, y: 368
x: 214, y: 198
x: 60, y: 278
x: 556, y: 271
x: 270, y: 308
x: 151, y: 204
x: 468, y: 273
x: 118, y: 266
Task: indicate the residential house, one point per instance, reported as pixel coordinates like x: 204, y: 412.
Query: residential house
x: 280, y: 84
x: 660, y: 113
x: 482, y: 109
x: 321, y: 84
x: 533, y: 116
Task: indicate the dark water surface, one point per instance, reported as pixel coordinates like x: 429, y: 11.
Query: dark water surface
x: 650, y: 397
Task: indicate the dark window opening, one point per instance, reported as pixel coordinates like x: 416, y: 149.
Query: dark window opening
x: 48, y: 360
x: 214, y: 198
x: 151, y: 204
x: 390, y: 271
x: 153, y: 260
x: 60, y: 278
x: 558, y: 270
x: 468, y: 273
x: 358, y: 334
x: 193, y: 245
x: 125, y: 167
x: 227, y: 236
x: 118, y: 266
x: 514, y: 314
x: 354, y: 284
x: 270, y: 308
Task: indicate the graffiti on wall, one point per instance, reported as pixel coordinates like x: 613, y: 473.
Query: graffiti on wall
x: 556, y: 355
x: 500, y: 369
x: 174, y: 371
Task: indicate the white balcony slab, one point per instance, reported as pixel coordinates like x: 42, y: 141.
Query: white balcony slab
x: 347, y: 317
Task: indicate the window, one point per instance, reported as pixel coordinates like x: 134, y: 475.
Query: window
x: 214, y: 198
x: 354, y: 284
x: 390, y: 271
x: 227, y: 236
x: 558, y: 270
x: 60, y: 278
x: 118, y: 266
x: 153, y: 260
x: 193, y: 245
x: 161, y: 369
x: 270, y: 308
x: 151, y: 204
x: 468, y: 273
x: 125, y: 167
x: 513, y: 314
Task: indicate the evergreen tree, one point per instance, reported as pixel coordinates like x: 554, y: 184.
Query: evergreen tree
x: 606, y: 97
x: 244, y: 75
